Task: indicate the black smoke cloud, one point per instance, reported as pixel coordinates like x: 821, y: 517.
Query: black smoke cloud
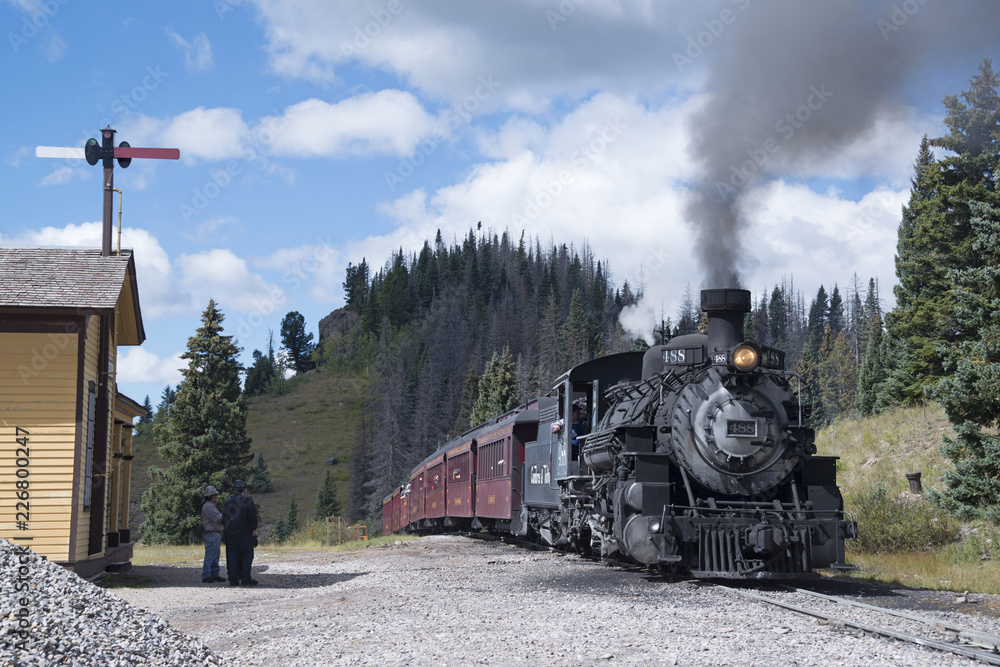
x: 794, y: 82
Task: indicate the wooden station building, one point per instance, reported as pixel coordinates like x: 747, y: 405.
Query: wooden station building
x: 65, y: 431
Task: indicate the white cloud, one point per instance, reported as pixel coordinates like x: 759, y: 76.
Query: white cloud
x: 55, y: 48
x: 197, y: 52
x: 387, y: 122
x: 63, y: 175
x: 219, y: 274
x: 136, y: 364
x: 210, y: 134
x: 443, y: 47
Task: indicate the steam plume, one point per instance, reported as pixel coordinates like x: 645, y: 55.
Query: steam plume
x: 792, y: 82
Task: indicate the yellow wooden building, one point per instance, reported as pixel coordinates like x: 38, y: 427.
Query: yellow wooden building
x: 65, y: 432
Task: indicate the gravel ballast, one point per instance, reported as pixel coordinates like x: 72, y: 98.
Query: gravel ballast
x: 50, y: 616
x: 453, y: 600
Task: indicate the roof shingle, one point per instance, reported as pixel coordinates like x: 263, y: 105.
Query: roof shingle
x: 60, y: 278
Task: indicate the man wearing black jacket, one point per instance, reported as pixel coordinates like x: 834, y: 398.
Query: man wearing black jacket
x: 241, y: 534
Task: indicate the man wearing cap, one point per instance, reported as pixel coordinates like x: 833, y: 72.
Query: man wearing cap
x: 211, y: 524
x: 241, y: 531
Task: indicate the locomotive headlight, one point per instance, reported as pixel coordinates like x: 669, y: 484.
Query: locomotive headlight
x: 745, y: 357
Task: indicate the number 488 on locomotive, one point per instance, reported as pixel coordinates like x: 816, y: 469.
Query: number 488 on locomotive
x: 691, y: 457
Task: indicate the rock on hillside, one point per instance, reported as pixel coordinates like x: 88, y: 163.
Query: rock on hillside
x: 339, y: 321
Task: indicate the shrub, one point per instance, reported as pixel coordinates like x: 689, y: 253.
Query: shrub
x: 893, y: 524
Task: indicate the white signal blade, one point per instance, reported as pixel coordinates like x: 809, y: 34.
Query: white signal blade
x: 59, y: 152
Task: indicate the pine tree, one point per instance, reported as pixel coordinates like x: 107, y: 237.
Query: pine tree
x: 872, y: 372
x: 935, y: 233
x: 836, y: 317
x: 497, y: 389
x: 470, y: 396
x: 327, y: 503
x: 263, y: 371
x: 971, y: 396
x: 575, y: 332
x: 687, y: 314
x: 260, y: 479
x: 297, y: 343
x: 839, y: 377
x: 292, y: 522
x: 203, y: 436
x: 146, y: 419
x: 281, y: 532
x: 777, y: 317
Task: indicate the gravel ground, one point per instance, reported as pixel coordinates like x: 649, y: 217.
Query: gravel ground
x: 452, y: 600
x: 50, y: 616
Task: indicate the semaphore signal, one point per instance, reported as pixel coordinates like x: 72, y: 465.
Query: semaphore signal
x: 105, y: 151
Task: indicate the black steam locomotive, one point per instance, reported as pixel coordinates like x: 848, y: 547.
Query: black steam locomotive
x: 691, y: 457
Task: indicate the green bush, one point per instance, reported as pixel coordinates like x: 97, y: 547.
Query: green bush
x: 980, y: 544
x: 889, y: 524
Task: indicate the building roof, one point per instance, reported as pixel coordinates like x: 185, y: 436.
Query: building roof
x: 72, y: 278
x: 60, y: 278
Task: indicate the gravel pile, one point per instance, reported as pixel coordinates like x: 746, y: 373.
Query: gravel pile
x: 448, y: 600
x: 50, y: 616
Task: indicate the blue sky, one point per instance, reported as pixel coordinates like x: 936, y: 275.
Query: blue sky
x: 313, y: 134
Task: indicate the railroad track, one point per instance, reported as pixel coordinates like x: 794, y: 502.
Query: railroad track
x: 949, y: 637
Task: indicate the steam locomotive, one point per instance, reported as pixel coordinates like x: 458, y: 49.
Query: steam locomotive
x: 692, y: 457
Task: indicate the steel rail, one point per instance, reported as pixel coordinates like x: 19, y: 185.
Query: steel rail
x: 948, y: 647
x: 984, y: 640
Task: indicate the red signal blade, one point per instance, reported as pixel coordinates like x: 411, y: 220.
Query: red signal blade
x: 158, y: 153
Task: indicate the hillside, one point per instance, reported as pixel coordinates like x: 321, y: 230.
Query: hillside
x: 884, y: 448
x: 314, y: 420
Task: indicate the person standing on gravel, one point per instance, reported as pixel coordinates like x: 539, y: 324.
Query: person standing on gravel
x: 241, y: 533
x: 211, y: 525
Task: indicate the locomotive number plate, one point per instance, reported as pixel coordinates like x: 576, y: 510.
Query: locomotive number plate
x: 684, y: 356
x: 741, y: 428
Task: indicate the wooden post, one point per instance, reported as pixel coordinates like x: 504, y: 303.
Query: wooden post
x: 327, y: 521
x: 116, y: 455
x: 124, y: 535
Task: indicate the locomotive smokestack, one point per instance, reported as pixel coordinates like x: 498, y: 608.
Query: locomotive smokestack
x: 725, y: 308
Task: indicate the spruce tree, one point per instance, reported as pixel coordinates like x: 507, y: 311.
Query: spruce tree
x: 497, y: 388
x: 147, y: 418
x: 260, y: 479
x: 575, y: 332
x: 470, y: 395
x: 872, y: 372
x: 935, y: 233
x: 297, y: 343
x: 777, y: 318
x: 203, y: 436
x: 261, y: 374
x: 292, y: 522
x: 280, y: 530
x: 839, y: 378
x: 836, y: 317
x: 327, y: 503
x: 971, y: 396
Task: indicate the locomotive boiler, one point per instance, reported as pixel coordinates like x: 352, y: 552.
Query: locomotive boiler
x: 692, y: 457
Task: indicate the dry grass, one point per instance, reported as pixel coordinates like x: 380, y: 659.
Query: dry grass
x: 878, y: 452
x: 929, y: 569
x: 193, y: 554
x: 883, y: 449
